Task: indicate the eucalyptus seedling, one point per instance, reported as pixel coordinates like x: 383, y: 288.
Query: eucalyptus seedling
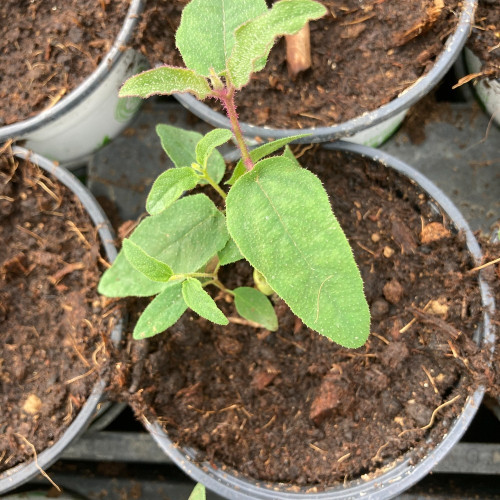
x: 277, y: 215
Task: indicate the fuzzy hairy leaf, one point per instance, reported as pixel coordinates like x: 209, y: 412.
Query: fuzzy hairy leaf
x: 165, y: 80
x: 254, y: 39
x: 201, y: 303
x: 260, y: 152
x: 253, y: 305
x: 209, y: 142
x: 198, y: 493
x: 162, y: 312
x: 230, y: 253
x: 168, y: 188
x: 185, y: 235
x: 152, y: 268
x: 205, y: 36
x: 294, y: 240
x: 180, y: 146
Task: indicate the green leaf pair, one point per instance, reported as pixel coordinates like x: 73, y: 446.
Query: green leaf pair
x: 230, y: 38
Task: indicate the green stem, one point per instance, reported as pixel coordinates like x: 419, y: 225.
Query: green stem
x: 192, y: 275
x: 214, y: 185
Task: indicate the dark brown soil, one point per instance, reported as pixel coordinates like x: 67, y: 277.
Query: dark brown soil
x: 364, y: 55
x: 48, y: 48
x: 485, y: 37
x: 54, y: 324
x: 293, y: 407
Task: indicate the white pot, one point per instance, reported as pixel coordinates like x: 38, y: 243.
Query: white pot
x: 91, y: 115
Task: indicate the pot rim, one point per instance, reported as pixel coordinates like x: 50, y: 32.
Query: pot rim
x: 19, y: 129
x: 23, y: 472
x: 406, y: 98
x: 402, y: 474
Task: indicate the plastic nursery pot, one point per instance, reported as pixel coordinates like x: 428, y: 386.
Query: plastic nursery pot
x: 23, y: 472
x: 372, y: 128
x: 487, y: 91
x: 91, y: 115
x: 391, y: 479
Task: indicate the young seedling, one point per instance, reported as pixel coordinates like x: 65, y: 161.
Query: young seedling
x: 277, y: 214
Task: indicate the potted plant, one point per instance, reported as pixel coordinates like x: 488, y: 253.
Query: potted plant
x: 81, y: 115
x: 278, y: 217
x: 330, y: 101
x: 56, y: 328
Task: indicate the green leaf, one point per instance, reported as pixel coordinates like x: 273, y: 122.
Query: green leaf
x: 209, y: 142
x: 289, y: 154
x: 186, y: 236
x: 201, y: 303
x: 205, y: 36
x: 166, y: 80
x: 168, y: 187
x: 260, y: 152
x: 162, y: 312
x: 180, y: 146
x: 294, y: 240
x: 152, y: 268
x: 198, y: 493
x: 255, y: 39
x: 255, y: 306
x: 230, y: 253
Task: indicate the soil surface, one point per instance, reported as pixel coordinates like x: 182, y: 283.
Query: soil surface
x: 485, y: 37
x: 48, y: 48
x: 293, y: 407
x: 54, y: 324
x: 364, y: 54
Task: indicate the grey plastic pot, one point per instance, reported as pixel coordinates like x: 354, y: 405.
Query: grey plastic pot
x: 22, y: 473
x: 91, y: 114
x: 488, y: 90
x: 402, y: 474
x: 371, y: 128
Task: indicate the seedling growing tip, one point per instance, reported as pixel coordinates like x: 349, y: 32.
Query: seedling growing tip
x: 277, y: 215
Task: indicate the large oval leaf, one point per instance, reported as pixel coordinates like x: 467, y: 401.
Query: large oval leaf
x: 280, y: 217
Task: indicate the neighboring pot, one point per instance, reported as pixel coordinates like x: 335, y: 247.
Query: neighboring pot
x: 371, y: 128
x: 22, y: 473
x: 486, y: 90
x: 91, y: 115
x: 391, y: 479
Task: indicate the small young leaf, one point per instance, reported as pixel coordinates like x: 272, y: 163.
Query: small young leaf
x: 168, y: 187
x: 289, y: 154
x: 205, y: 35
x: 255, y: 306
x: 198, y: 493
x: 209, y: 142
x: 255, y: 38
x: 201, y: 303
x: 180, y: 146
x: 152, y: 268
x: 162, y: 312
x: 165, y: 80
x: 186, y: 235
x: 260, y: 152
x: 230, y: 253
x: 312, y: 269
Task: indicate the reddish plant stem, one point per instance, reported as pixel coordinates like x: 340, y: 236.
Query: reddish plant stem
x: 226, y: 96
